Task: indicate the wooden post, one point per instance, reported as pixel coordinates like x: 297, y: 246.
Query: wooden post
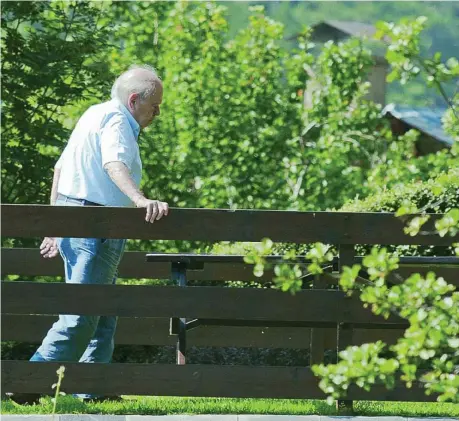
x: 317, y: 339
x: 179, y: 275
x: 344, y: 331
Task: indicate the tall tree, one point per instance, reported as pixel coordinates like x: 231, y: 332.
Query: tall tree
x: 49, y: 61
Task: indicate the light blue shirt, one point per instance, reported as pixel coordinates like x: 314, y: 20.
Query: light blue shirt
x: 105, y: 133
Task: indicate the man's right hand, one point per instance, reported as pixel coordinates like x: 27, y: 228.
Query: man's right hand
x: 155, y: 209
x: 48, y: 248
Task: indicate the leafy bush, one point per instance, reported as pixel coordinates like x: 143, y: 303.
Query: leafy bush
x: 49, y: 59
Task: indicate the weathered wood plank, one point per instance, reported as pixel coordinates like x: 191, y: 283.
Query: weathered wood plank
x: 28, y: 262
x: 275, y: 259
x: 184, y: 380
x: 213, y: 225
x: 155, y: 331
x: 318, y: 342
x: 130, y: 331
x: 449, y: 273
x: 345, y: 330
x: 192, y: 302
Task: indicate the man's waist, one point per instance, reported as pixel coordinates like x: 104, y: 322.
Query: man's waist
x: 84, y: 202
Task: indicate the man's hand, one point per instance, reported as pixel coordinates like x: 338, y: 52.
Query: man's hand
x: 48, y: 248
x: 155, y: 209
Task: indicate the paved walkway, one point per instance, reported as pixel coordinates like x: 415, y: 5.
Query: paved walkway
x: 95, y: 417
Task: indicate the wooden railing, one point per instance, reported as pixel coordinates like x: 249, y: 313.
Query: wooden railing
x: 314, y: 319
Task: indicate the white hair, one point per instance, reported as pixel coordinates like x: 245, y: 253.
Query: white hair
x: 139, y: 79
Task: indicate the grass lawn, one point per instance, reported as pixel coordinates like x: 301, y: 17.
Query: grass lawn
x: 175, y: 405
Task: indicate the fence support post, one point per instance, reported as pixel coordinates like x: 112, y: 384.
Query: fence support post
x: 344, y: 331
x: 317, y: 338
x: 179, y: 275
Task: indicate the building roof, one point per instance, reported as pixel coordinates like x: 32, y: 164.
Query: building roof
x: 338, y: 30
x: 351, y: 28
x: 426, y: 120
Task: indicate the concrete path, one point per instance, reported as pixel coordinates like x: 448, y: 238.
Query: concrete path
x: 95, y: 417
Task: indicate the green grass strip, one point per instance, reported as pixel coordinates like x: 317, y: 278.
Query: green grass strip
x: 177, y: 405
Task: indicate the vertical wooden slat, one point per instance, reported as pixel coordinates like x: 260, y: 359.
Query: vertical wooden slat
x: 179, y: 275
x: 317, y: 343
x: 344, y: 331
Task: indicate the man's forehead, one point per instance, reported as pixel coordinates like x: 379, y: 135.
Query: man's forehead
x: 158, y: 93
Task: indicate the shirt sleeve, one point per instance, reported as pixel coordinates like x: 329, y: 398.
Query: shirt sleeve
x: 116, y: 142
x: 58, y: 165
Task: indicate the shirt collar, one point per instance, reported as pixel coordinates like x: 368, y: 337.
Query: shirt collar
x: 132, y: 121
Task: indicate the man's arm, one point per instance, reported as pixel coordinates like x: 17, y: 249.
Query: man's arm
x: 120, y: 175
x: 57, y: 174
x: 48, y: 247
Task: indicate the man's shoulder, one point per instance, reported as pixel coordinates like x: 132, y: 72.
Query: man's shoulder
x: 106, y: 112
x: 108, y: 107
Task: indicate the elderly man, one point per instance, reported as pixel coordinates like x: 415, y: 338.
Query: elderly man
x: 100, y: 166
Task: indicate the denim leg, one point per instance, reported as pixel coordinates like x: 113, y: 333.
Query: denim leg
x: 102, y: 344
x: 87, y: 261
x: 67, y: 338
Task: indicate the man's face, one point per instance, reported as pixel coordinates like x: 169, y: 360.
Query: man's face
x: 145, y: 111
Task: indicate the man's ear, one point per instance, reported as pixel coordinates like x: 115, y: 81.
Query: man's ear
x: 133, y: 100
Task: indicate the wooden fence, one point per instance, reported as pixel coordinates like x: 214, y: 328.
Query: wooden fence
x: 315, y: 319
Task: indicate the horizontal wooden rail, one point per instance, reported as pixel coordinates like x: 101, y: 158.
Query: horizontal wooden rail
x: 185, y: 380
x: 191, y: 258
x: 319, y: 306
x: 214, y: 225
x: 155, y: 331
x: 28, y: 262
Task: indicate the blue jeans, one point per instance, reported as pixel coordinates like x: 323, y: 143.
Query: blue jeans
x: 84, y: 338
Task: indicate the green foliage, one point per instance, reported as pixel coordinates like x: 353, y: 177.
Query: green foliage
x: 255, y: 256
x: 449, y: 224
x: 436, y: 195
x: 428, y: 303
x: 451, y: 124
x: 379, y: 264
x: 439, y: 36
x: 230, y: 107
x: 227, y: 119
x: 344, y: 134
x: 167, y: 405
x: 318, y: 254
x: 404, y: 44
x: 230, y: 112
x: 398, y: 165
x: 49, y: 60
x: 404, y: 55
x: 431, y: 307
x: 361, y: 365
